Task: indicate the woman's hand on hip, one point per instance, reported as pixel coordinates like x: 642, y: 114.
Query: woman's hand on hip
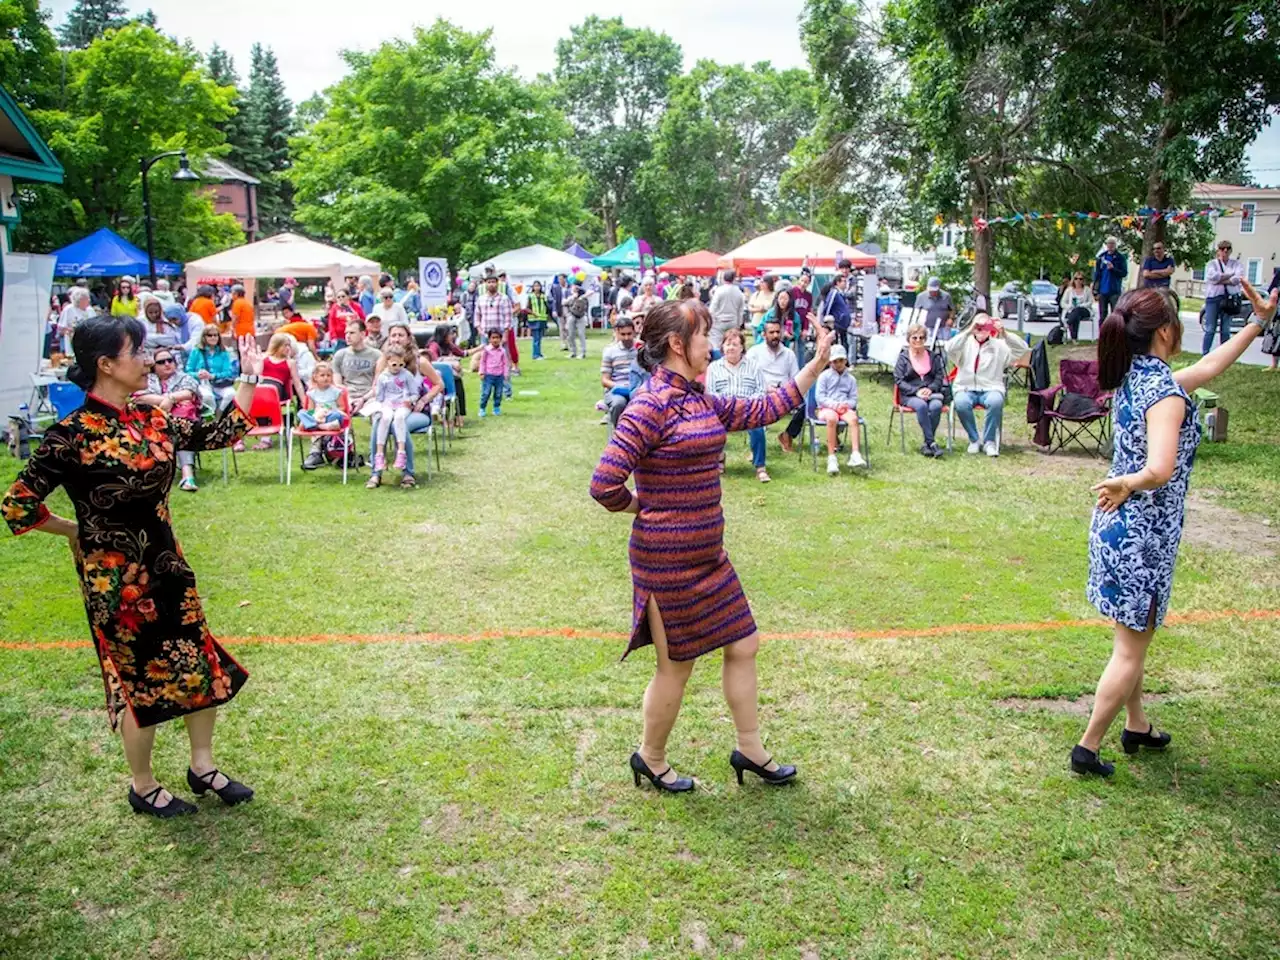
x: 1112, y: 492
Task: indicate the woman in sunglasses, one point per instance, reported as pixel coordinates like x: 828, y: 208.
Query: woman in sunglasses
x: 1076, y: 304
x: 177, y: 394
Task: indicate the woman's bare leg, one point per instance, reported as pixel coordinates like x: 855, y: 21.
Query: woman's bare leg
x: 1119, y: 685
x: 200, y: 733
x: 738, y: 679
x: 663, y: 696
x: 138, y: 744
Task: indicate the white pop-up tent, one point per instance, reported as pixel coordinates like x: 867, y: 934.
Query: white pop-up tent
x: 284, y: 255
x: 531, y: 263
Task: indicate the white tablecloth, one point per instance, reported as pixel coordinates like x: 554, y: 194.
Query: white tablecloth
x: 886, y: 349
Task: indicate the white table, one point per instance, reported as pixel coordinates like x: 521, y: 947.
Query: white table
x: 886, y: 349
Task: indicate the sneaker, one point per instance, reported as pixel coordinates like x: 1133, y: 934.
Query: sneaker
x: 935, y: 450
x: 482, y: 413
x: 856, y: 460
x: 833, y: 465
x: 238, y: 447
x: 974, y: 447
x: 990, y: 449
x: 497, y: 411
x: 379, y: 462
x: 314, y: 461
x: 604, y: 421
x: 600, y: 405
x: 402, y: 459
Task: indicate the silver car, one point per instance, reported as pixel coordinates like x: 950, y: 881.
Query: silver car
x: 1042, y: 300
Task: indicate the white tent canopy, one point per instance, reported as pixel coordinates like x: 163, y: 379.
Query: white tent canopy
x: 531, y: 263
x: 284, y: 255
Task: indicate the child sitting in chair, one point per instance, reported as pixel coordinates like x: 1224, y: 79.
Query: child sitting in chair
x: 836, y: 398
x: 324, y: 413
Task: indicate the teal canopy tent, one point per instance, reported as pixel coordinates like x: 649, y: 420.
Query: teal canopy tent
x: 629, y: 253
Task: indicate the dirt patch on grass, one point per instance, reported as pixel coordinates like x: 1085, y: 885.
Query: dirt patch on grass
x: 1074, y: 465
x: 1214, y: 525
x: 445, y: 823
x: 1077, y: 707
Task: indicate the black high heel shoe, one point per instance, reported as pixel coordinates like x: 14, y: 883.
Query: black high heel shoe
x: 232, y: 793
x: 640, y: 768
x: 740, y: 762
x: 1084, y: 760
x: 176, y: 807
x: 1132, y: 742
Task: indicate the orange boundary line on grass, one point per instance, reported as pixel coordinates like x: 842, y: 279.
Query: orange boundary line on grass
x: 1173, y: 619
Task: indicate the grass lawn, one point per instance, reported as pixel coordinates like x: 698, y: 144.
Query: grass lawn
x: 471, y: 797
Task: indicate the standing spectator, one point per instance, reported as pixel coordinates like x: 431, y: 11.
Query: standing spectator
x: 623, y: 296
x: 163, y: 293
x: 125, y: 301
x: 1109, y: 274
x: 1157, y: 268
x: 833, y: 305
x: 284, y: 296
x: 783, y: 309
x: 494, y: 310
x: 341, y: 312
x: 615, y: 369
x: 555, y: 307
x: 492, y: 364
x: 365, y: 296
x: 1221, y: 283
x: 73, y: 314
x: 982, y: 354
x: 1275, y: 348
x: 761, y: 300
x: 1075, y: 303
x: 469, y: 301
x: 919, y: 377
x: 802, y: 294
x: 735, y: 376
x: 938, y: 309
x: 575, y: 315
x: 538, y: 314
x: 243, y: 322
x: 204, y: 305
x: 727, y: 303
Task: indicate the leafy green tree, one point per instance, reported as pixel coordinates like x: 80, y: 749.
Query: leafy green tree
x: 720, y: 153
x: 612, y: 82
x: 268, y: 121
x: 28, y: 54
x: 90, y: 19
x: 426, y: 147
x: 131, y: 94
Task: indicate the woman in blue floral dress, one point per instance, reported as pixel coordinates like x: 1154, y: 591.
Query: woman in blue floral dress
x: 115, y: 459
x: 1137, y: 525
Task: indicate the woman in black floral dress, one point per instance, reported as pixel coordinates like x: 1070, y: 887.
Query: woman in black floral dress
x: 115, y: 458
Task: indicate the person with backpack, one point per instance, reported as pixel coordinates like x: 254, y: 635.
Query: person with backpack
x: 575, y: 310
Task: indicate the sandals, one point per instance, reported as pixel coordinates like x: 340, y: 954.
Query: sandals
x: 263, y: 444
x: 374, y: 482
x: 407, y: 482
x: 230, y: 793
x: 188, y: 485
x: 176, y: 807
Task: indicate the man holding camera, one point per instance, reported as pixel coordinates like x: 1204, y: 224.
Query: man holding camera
x: 1109, y: 275
x: 982, y: 354
x: 1221, y: 295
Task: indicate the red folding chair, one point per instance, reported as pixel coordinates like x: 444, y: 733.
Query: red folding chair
x: 270, y: 420
x: 301, y: 433
x: 902, y: 411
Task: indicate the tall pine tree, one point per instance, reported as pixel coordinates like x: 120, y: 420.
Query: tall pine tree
x: 245, y: 143
x: 270, y: 123
x: 89, y: 19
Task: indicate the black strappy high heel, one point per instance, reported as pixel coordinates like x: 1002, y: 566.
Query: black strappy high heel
x: 640, y: 768
x: 1132, y: 742
x: 1085, y: 761
x: 176, y: 807
x: 740, y: 763
x: 232, y: 793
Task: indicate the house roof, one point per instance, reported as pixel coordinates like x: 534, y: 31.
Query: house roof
x: 215, y: 169
x: 1228, y: 191
x: 23, y: 155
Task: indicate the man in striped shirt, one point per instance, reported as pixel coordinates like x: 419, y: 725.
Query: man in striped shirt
x: 615, y: 369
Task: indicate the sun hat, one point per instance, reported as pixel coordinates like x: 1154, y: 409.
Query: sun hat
x: 839, y: 353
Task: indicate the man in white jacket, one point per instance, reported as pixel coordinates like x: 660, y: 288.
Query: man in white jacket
x: 981, y: 356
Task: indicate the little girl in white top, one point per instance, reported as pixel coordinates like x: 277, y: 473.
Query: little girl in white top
x: 395, y: 391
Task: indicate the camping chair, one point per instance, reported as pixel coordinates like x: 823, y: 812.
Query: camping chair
x: 433, y: 437
x: 1076, y: 411
x: 450, y: 397
x: 902, y: 411
x: 267, y: 407
x: 814, y: 424
x: 301, y: 433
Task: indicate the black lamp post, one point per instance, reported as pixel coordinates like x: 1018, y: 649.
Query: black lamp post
x: 184, y: 173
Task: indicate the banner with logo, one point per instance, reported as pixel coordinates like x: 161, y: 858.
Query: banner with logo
x: 433, y: 282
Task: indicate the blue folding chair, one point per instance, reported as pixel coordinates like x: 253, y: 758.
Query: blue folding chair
x: 450, y: 397
x: 814, y: 425
x: 66, y: 398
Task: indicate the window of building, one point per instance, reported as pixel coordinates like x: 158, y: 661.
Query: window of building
x: 946, y: 237
x: 1247, y: 211
x: 1253, y: 270
x: 1197, y: 273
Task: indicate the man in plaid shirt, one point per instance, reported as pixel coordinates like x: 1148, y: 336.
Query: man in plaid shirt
x: 494, y: 311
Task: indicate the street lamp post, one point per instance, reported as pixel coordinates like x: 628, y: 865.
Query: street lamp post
x: 184, y: 173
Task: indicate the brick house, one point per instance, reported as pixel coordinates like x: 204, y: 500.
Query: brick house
x: 233, y: 191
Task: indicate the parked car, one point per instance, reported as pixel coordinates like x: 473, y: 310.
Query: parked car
x: 1042, y: 300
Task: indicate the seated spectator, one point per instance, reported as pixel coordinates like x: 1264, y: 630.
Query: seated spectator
x: 443, y: 348
x: 395, y: 391
x: 298, y: 327
x: 920, y: 377
x: 836, y: 396
x: 214, y: 369
x: 412, y: 299
x: 325, y: 412
x: 615, y: 370
x: 374, y: 335
x: 354, y: 364
x: 982, y: 354
x: 430, y: 386
x: 778, y: 365
x: 1076, y: 304
x: 388, y: 309
x: 178, y: 395
x: 280, y: 370
x: 735, y: 376
x: 160, y: 332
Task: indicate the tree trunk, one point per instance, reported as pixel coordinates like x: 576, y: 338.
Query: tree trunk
x: 610, y: 219
x: 983, y: 243
x: 1159, y: 187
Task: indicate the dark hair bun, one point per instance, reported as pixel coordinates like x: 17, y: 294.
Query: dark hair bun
x: 80, y: 376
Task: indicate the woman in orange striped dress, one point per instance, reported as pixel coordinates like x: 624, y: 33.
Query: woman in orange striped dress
x: 687, y: 599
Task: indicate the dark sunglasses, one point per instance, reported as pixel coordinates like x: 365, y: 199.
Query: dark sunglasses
x: 163, y: 360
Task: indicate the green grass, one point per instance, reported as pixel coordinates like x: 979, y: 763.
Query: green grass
x: 472, y: 799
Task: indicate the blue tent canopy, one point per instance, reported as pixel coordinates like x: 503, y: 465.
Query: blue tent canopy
x: 576, y: 249
x: 106, y: 254
x: 629, y: 253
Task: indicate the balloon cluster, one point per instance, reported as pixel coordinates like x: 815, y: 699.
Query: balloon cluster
x: 580, y: 276
x: 460, y: 279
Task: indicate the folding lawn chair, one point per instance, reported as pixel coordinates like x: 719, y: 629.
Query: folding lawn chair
x: 1076, y: 411
x: 901, y: 411
x: 305, y: 433
x: 270, y: 419
x: 814, y: 425
x: 450, y: 409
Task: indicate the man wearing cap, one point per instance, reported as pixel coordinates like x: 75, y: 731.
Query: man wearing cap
x: 937, y: 307
x: 1109, y: 274
x: 982, y: 354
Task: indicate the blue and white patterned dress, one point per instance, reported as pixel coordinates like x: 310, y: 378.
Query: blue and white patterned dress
x: 1132, y: 551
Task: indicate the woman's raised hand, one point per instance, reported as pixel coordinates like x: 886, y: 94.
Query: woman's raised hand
x: 251, y: 358
x: 1264, y: 310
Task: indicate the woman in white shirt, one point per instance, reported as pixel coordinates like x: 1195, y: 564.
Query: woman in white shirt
x: 76, y: 311
x: 1076, y: 304
x: 735, y: 376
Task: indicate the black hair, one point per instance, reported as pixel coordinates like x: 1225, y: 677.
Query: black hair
x: 729, y: 276
x: 844, y: 265
x: 441, y: 334
x: 98, y: 337
x: 624, y: 322
x: 493, y: 332
x: 1129, y: 330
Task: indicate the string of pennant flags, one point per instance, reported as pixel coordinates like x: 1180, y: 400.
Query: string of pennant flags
x: 1067, y: 219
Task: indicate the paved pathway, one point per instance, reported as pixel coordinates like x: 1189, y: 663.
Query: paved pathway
x: 1192, y: 334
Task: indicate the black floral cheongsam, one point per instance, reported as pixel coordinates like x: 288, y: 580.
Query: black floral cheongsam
x: 157, y: 655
